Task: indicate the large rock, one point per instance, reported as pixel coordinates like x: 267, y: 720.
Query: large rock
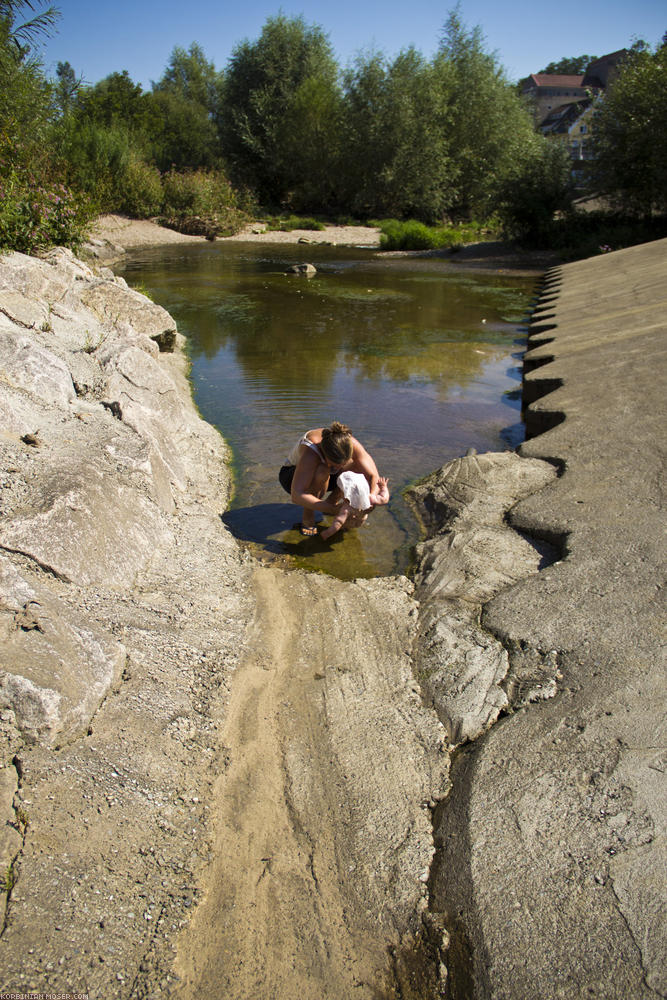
x: 465, y: 671
x: 92, y: 426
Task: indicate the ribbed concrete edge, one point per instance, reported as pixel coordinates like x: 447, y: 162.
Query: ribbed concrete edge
x: 554, y: 847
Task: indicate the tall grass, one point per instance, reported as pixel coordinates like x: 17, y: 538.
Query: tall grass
x: 287, y: 223
x: 415, y: 235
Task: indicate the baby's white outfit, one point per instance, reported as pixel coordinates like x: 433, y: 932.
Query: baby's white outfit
x: 355, y: 489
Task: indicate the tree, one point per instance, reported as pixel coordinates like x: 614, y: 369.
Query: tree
x: 569, y: 66
x: 280, y: 108
x: 630, y: 136
x: 179, y: 132
x: 540, y: 188
x: 490, y: 129
x: 396, y: 137
x: 185, y: 109
x: 25, y: 96
x: 116, y: 101
x: 24, y: 35
x: 66, y: 88
x: 190, y: 75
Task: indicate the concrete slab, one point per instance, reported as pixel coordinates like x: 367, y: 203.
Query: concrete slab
x: 554, y: 841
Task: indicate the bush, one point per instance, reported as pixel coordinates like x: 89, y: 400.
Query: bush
x: 37, y: 211
x: 288, y: 223
x: 97, y: 161
x: 414, y: 235
x: 197, y: 192
x: 142, y: 194
x: 35, y: 216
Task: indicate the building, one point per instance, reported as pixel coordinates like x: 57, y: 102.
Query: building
x: 547, y: 92
x: 573, y: 124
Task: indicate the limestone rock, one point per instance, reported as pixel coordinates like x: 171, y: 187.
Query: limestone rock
x: 111, y: 302
x: 57, y: 668
x: 29, y: 367
x: 85, y: 526
x: 472, y: 554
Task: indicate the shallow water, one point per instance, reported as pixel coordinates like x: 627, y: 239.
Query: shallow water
x: 421, y: 363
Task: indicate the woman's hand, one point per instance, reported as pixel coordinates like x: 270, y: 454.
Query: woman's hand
x: 329, y: 506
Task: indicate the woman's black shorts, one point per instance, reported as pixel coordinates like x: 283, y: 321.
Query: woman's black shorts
x: 286, y: 475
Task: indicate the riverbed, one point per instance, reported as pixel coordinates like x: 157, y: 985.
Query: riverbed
x: 421, y: 361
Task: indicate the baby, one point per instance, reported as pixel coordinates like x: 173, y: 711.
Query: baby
x: 358, y: 503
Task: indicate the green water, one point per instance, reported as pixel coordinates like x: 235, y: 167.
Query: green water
x: 420, y: 362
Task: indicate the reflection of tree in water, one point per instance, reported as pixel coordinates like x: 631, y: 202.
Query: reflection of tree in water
x: 403, y: 357
x: 302, y: 344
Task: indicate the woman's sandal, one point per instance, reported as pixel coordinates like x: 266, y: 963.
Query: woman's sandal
x: 308, y: 529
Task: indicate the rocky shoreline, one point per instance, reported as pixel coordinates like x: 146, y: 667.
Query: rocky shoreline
x: 218, y: 774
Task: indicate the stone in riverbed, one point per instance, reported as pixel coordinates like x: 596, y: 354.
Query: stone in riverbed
x: 306, y: 269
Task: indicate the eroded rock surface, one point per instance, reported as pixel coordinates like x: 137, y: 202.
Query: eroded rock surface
x: 471, y: 555
x: 122, y: 613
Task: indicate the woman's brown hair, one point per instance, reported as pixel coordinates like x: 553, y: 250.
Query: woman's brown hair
x: 337, y: 443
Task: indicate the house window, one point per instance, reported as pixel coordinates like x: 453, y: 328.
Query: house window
x: 583, y: 129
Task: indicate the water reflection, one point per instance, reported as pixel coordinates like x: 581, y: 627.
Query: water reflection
x: 421, y: 364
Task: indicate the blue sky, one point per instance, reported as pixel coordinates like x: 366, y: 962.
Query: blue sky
x: 98, y: 38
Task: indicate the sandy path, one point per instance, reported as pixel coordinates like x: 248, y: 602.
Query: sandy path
x: 322, y: 828
x: 133, y: 233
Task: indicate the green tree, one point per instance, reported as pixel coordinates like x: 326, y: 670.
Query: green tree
x: 569, y: 65
x: 116, y: 101
x: 22, y: 35
x: 66, y: 87
x: 630, y: 136
x: 396, y: 126
x: 36, y: 209
x: 190, y: 75
x: 280, y: 107
x: 490, y: 130
x: 185, y: 108
x: 540, y: 188
x: 179, y: 132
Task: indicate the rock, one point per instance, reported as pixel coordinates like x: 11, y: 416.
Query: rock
x: 34, y: 369
x: 85, y: 525
x: 113, y: 303
x: 57, y: 667
x: 308, y: 269
x: 471, y: 556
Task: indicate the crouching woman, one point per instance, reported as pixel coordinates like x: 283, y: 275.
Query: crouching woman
x: 312, y: 468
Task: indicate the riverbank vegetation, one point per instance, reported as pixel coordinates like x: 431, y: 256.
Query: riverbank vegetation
x: 440, y: 148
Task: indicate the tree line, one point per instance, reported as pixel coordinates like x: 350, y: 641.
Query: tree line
x: 282, y: 127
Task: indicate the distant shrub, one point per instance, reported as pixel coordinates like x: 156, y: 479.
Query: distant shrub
x: 197, y: 192
x: 142, y: 193
x: 415, y: 235
x: 285, y: 224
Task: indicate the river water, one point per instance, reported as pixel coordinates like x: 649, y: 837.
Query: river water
x: 421, y: 362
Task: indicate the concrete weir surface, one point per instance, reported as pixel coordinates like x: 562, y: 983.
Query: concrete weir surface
x: 227, y: 780
x: 552, y: 852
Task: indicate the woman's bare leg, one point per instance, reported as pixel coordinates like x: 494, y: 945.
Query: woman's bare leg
x: 318, y: 488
